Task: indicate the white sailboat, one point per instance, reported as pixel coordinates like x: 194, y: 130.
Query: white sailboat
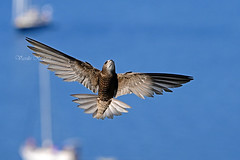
x: 26, y: 16
x: 30, y: 151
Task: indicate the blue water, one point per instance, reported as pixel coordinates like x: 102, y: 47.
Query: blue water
x: 197, y: 121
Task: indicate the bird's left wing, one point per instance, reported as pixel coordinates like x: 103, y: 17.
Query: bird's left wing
x: 65, y: 66
x: 146, y: 84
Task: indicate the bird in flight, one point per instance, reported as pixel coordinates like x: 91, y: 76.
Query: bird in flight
x: 106, y: 82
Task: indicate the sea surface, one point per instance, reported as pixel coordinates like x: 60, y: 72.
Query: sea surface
x: 199, y: 121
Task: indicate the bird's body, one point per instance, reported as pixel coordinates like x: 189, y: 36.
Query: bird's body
x: 106, y: 82
x: 107, y: 88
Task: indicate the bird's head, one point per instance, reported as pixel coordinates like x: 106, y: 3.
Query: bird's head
x: 109, y: 66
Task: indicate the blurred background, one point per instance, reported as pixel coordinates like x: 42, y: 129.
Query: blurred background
x: 197, y: 121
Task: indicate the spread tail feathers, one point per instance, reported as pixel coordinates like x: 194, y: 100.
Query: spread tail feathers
x: 88, y: 102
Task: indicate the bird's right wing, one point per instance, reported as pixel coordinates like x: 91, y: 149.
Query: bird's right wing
x: 146, y: 84
x: 66, y: 67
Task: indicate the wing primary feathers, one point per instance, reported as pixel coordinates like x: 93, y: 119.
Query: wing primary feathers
x: 52, y: 62
x: 39, y: 44
x: 48, y: 53
x: 170, y: 76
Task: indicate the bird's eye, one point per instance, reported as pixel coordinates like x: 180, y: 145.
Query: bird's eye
x: 105, y: 62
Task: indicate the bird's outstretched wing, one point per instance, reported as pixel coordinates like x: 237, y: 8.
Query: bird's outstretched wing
x: 65, y: 66
x: 146, y: 84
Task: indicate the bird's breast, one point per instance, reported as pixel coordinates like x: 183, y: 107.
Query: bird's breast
x: 107, y: 87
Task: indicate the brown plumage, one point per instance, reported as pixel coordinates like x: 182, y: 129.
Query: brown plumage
x: 107, y: 83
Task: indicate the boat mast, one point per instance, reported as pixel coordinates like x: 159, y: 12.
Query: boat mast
x: 45, y: 106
